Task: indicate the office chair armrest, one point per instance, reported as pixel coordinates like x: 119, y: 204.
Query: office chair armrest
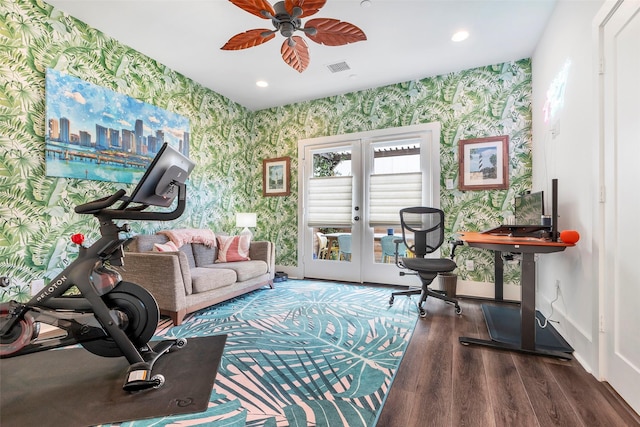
x: 398, y: 263
x: 454, y: 245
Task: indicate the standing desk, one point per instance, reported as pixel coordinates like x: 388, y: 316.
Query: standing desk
x: 526, y: 342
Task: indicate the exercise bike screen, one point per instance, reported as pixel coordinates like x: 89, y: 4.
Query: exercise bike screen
x: 155, y: 187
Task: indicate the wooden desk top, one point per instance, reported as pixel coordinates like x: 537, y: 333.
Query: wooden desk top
x: 472, y: 237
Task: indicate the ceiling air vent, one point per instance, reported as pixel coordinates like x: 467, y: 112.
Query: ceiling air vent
x: 338, y: 66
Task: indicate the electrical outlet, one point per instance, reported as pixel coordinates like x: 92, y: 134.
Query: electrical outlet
x: 448, y: 184
x: 469, y: 265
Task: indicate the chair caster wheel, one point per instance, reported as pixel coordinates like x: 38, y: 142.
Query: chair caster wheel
x: 391, y: 301
x: 458, y: 309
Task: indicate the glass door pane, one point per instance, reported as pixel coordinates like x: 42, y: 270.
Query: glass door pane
x: 331, y: 197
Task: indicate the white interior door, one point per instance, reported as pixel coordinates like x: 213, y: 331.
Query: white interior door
x: 621, y: 283
x: 353, y: 187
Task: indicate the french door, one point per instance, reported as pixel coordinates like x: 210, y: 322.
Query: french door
x: 620, y: 283
x: 353, y: 187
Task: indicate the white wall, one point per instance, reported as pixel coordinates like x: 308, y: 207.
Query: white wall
x: 566, y: 148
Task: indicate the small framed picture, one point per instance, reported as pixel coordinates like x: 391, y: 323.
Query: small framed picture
x: 484, y: 163
x: 275, y: 176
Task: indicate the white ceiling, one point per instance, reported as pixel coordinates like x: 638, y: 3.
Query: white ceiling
x: 406, y: 40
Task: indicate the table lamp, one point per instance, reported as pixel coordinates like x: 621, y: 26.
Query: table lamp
x: 246, y: 220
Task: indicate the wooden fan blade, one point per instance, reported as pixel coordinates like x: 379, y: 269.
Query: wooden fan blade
x: 247, y: 39
x: 309, y: 7
x: 333, y: 32
x: 254, y: 7
x: 296, y: 56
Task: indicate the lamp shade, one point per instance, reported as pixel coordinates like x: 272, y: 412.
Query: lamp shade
x: 246, y: 219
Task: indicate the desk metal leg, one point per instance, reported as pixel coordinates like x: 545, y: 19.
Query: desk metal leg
x: 498, y: 276
x: 528, y: 302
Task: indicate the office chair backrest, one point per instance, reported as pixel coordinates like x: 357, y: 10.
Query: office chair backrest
x: 427, y: 226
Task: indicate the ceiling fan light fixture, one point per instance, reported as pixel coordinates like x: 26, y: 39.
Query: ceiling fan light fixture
x: 459, y: 36
x: 286, y: 19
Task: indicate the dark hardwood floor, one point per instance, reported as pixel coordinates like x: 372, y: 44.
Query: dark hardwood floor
x: 441, y: 382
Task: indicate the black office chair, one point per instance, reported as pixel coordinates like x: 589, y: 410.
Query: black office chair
x: 423, y: 233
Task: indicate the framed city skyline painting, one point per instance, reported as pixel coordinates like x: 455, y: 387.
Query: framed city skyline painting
x: 95, y: 133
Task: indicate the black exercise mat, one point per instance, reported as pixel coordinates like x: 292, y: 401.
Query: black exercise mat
x: 73, y: 387
x: 504, y: 326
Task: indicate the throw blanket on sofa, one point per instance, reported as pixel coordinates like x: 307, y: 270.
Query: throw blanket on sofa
x: 190, y: 235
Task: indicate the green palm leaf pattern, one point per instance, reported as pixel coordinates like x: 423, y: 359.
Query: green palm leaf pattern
x: 228, y: 142
x: 305, y: 353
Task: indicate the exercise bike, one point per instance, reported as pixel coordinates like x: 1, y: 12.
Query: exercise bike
x: 110, y: 317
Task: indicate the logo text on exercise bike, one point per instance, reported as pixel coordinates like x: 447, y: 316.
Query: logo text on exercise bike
x: 51, y: 288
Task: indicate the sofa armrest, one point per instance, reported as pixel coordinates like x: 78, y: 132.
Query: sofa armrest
x: 265, y: 251
x: 165, y: 275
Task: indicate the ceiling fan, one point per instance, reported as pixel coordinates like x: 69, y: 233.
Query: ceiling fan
x: 286, y: 19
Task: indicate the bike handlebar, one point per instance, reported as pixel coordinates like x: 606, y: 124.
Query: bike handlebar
x: 99, y: 208
x: 97, y: 205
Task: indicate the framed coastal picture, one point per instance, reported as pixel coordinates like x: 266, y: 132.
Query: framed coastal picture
x: 484, y: 163
x: 95, y: 133
x: 275, y: 176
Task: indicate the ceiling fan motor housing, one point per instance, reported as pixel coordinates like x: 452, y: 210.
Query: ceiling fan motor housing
x: 284, y: 22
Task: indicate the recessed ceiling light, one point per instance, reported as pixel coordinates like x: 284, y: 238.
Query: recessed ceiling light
x: 262, y: 83
x: 460, y: 36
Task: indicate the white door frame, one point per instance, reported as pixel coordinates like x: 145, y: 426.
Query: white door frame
x: 617, y: 358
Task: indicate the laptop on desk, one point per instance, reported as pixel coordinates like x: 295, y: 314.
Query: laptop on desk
x: 529, y: 208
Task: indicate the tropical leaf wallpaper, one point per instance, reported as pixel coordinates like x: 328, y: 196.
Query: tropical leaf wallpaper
x: 228, y: 142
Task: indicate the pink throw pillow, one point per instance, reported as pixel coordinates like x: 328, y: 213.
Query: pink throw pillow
x: 166, y: 247
x: 233, y: 248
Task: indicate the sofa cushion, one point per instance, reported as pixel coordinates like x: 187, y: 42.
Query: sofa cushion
x: 245, y: 270
x: 203, y: 254
x: 145, y: 242
x: 186, y: 249
x: 233, y: 248
x: 203, y: 279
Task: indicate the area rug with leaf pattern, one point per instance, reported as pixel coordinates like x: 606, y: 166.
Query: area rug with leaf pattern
x: 307, y: 353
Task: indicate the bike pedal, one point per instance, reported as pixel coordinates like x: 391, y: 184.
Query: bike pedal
x: 138, y: 378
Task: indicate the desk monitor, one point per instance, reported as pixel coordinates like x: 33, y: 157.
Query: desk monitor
x: 156, y: 186
x: 529, y: 208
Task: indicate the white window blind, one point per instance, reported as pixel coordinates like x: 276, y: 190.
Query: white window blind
x: 388, y: 193
x: 329, y: 202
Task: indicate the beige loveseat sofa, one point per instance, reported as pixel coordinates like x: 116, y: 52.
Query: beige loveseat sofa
x: 190, y: 279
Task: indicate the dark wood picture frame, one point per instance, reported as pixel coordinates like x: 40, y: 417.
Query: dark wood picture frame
x: 276, y: 174
x: 484, y: 163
